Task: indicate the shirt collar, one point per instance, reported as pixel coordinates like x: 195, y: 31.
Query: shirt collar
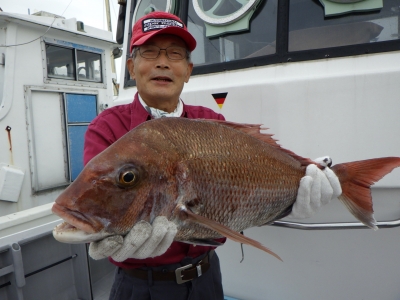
x: 158, y: 113
x: 140, y: 115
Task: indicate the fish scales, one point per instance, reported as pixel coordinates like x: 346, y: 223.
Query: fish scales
x: 232, y: 182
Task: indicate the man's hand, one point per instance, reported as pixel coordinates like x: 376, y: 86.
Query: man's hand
x: 317, y: 188
x: 144, y: 240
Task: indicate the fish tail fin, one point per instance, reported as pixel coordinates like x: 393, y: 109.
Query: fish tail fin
x: 356, y: 179
x: 225, y: 231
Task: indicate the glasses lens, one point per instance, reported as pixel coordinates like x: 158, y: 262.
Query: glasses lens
x: 148, y: 51
x: 176, y: 53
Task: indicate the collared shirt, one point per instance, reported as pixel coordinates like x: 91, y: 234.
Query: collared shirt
x: 158, y: 113
x: 111, y: 125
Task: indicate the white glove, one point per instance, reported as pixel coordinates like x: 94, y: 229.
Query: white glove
x: 317, y: 188
x: 143, y: 240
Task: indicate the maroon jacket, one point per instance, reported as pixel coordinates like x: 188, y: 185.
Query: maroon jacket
x: 112, y: 124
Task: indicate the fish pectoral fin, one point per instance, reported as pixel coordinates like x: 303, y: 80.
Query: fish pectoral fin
x: 203, y: 242
x: 225, y: 231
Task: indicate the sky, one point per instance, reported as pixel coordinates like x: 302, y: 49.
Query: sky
x: 90, y: 12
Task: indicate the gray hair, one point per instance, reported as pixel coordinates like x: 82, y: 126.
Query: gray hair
x: 135, y: 49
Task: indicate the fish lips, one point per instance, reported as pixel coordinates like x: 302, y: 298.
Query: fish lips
x: 76, y: 228
x: 66, y: 233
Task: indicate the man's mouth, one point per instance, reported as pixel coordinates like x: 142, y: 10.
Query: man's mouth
x: 162, y: 79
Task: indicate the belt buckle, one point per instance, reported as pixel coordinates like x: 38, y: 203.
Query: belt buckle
x: 178, y: 274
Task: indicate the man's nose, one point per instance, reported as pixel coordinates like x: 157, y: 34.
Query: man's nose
x: 162, y: 59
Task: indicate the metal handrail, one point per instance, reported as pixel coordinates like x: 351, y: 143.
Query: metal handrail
x: 334, y: 226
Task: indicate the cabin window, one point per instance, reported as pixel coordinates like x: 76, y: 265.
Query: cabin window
x: 89, y: 66
x: 311, y: 26
x: 60, y: 62
x: 248, y: 33
x: 146, y: 6
x: 73, y: 64
x: 237, y: 34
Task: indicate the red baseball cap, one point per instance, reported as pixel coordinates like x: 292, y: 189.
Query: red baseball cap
x: 160, y: 22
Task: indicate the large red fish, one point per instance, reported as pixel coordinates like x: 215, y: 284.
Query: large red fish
x: 211, y: 178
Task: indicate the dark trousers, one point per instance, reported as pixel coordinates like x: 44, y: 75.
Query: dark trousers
x: 208, y: 286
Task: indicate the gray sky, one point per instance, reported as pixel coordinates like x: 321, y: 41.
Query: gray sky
x: 90, y: 12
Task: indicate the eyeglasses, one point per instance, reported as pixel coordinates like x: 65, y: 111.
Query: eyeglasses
x: 152, y: 52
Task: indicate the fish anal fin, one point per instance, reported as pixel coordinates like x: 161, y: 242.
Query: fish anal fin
x: 255, y: 131
x: 224, y: 231
x: 356, y: 178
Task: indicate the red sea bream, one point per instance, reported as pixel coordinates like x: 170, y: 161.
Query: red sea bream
x: 211, y: 178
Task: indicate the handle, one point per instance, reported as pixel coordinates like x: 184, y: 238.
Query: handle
x: 334, y: 226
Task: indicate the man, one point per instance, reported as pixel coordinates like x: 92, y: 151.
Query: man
x: 150, y: 265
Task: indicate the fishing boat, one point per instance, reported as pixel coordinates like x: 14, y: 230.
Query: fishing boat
x: 323, y: 76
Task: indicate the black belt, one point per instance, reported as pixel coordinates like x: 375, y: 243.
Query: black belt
x: 180, y: 275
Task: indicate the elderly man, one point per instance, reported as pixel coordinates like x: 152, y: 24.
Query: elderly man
x: 150, y: 265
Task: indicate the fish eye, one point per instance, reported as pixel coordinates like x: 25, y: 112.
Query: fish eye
x: 127, y: 178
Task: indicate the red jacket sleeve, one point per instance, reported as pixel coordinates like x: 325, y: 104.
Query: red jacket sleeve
x: 95, y: 142
x: 105, y: 129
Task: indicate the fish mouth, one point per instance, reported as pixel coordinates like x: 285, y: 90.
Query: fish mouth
x: 75, y: 224
x: 67, y: 233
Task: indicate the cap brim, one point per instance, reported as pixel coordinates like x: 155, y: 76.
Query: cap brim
x: 183, y: 34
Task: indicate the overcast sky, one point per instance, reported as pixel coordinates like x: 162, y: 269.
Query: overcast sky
x: 90, y: 12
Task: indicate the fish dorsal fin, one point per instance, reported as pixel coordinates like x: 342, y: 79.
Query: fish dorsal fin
x: 255, y: 131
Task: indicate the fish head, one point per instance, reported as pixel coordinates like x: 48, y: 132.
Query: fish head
x: 129, y: 181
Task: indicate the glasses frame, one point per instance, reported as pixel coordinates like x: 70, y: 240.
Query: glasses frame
x: 139, y: 49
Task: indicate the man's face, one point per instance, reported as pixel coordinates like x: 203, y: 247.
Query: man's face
x: 160, y: 81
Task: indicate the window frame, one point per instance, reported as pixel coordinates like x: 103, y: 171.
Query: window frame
x: 64, y: 127
x: 282, y: 54
x: 128, y: 82
x: 75, y: 47
x: 69, y: 124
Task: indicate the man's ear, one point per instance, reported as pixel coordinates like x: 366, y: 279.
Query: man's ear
x: 131, y: 69
x: 189, y: 72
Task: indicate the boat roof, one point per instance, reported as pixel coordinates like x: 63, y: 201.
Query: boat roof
x: 57, y: 23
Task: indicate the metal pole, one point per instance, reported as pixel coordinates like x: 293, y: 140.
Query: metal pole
x: 108, y: 15
x: 107, y: 3
x: 109, y: 29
